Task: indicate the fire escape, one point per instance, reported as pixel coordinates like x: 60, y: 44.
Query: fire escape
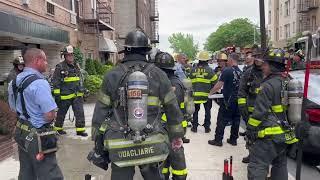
x: 98, y: 18
x: 154, y: 22
x: 304, y: 8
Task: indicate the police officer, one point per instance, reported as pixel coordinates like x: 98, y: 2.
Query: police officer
x: 176, y: 159
x: 229, y: 81
x: 128, y: 148
x: 202, y: 77
x: 30, y: 97
x: 18, y: 65
x: 268, y: 126
x: 69, y: 91
x: 249, y: 84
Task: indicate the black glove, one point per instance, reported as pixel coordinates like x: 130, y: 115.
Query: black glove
x: 302, y: 129
x: 251, y: 134
x: 99, y: 160
x: 244, y: 113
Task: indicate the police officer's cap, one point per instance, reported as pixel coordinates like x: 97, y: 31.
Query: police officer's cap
x: 164, y: 60
x: 137, y: 39
x: 18, y: 61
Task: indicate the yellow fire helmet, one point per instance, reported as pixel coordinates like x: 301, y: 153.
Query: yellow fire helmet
x: 203, y: 56
x: 222, y: 56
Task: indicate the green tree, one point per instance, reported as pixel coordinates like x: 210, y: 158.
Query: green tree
x: 78, y: 56
x: 184, y: 43
x: 90, y: 67
x: 239, y: 32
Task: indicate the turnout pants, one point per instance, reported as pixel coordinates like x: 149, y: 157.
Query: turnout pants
x: 207, y: 118
x: 225, y: 115
x: 77, y: 107
x: 263, y: 153
x: 176, y: 164
x: 30, y: 167
x: 148, y: 171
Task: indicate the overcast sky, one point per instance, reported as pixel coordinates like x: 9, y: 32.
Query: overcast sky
x: 201, y: 17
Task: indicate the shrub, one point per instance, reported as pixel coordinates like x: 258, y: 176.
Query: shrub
x: 98, y: 67
x: 78, y: 56
x: 105, y: 69
x: 93, y: 83
x: 90, y: 67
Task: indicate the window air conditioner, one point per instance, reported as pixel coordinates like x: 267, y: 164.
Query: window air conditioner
x: 25, y: 2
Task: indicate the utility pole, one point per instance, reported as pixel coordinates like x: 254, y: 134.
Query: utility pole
x: 263, y: 25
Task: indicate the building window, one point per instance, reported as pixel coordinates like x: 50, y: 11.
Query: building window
x: 280, y: 31
x: 314, y: 23
x: 269, y: 17
x: 89, y: 55
x: 50, y: 8
x: 287, y: 8
x: 294, y: 4
x: 277, y: 34
x: 280, y: 9
x: 294, y: 27
x: 287, y: 30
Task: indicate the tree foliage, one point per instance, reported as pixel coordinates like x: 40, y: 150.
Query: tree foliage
x: 238, y: 32
x: 184, y: 43
x: 78, y: 56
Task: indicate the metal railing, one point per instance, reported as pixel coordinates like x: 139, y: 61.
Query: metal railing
x: 307, y: 5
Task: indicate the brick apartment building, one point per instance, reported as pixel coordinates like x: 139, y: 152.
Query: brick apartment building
x: 136, y: 14
x: 52, y: 24
x: 286, y: 18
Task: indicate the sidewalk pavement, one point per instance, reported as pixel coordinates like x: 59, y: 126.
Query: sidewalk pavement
x: 204, y: 162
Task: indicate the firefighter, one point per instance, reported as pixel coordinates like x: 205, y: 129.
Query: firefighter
x: 127, y: 116
x: 249, y: 84
x: 222, y: 63
x: 229, y: 112
x: 268, y: 127
x: 30, y: 97
x: 249, y: 60
x: 18, y: 65
x: 176, y: 160
x: 69, y: 91
x: 202, y: 77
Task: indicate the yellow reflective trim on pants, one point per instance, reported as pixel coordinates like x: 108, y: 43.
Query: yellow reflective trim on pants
x: 182, y: 105
x: 277, y: 108
x: 200, y: 102
x: 270, y: 131
x: 71, y: 79
x: 182, y: 172
x: 153, y: 101
x: 165, y: 170
x: 103, y: 98
x: 254, y: 122
x: 201, y: 80
x: 80, y: 129
x: 251, y: 109
x: 184, y: 123
x: 204, y: 94
x: 57, y: 128
x: 23, y: 126
x: 56, y: 91
x: 70, y: 96
x: 242, y: 101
